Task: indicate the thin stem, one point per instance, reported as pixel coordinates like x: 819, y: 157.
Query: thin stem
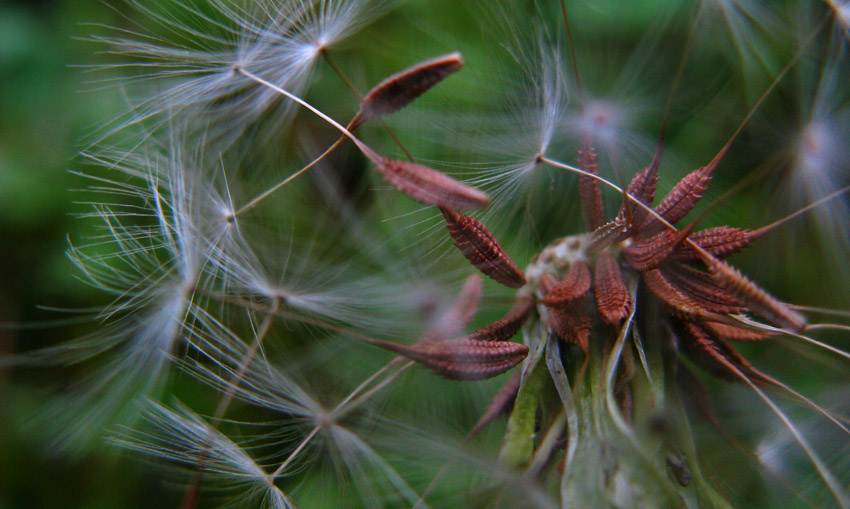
x: 225, y: 401
x: 362, y: 146
x: 191, y: 493
x: 265, y: 194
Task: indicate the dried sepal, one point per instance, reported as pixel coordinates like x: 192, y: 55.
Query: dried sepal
x: 428, y: 186
x: 481, y: 248
x: 589, y: 190
x: 574, y: 285
x: 399, y: 90
x: 612, y: 296
x: 651, y: 253
x: 462, y: 358
x: 718, y: 356
x: 569, y: 322
x: 756, y: 299
x: 680, y: 200
x: 506, y: 327
x: 501, y: 403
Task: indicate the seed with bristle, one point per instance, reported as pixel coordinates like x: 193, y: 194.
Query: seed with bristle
x: 680, y: 303
x: 720, y: 242
x: 574, y: 285
x: 505, y: 328
x: 758, y: 300
x: 462, y: 358
x: 651, y: 253
x: 703, y: 289
x: 612, y: 296
x: 726, y: 331
x: 429, y: 186
x: 642, y: 188
x: 480, y: 247
x: 502, y: 402
x: 680, y: 200
x: 718, y: 356
x: 589, y: 190
x: 399, y: 90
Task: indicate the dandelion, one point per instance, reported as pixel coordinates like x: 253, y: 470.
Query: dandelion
x: 346, y: 353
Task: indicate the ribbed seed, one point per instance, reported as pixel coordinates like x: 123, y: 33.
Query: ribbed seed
x: 399, y: 90
x: 480, y: 247
x: 506, y: 327
x: 612, y: 296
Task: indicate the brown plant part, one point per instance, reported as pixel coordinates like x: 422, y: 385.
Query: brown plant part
x: 651, y: 253
x: 399, y: 90
x: 703, y: 289
x: 642, y: 187
x: 756, y: 299
x: 458, y: 316
x: 502, y: 403
x: 718, y: 356
x: 608, y: 233
x: 589, y: 190
x: 571, y: 322
x: 428, y: 186
x: 574, y: 286
x: 506, y: 327
x: 677, y: 301
x: 612, y: 296
x: 462, y: 358
x: 726, y: 331
x: 721, y: 242
x: 481, y: 248
x: 680, y: 200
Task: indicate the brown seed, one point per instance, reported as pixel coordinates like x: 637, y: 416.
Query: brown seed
x: 651, y: 253
x: 758, y: 300
x: 612, y: 296
x: 462, y: 358
x: 589, y: 190
x: 465, y: 306
x: 703, y: 289
x: 642, y: 187
x: 480, y: 247
x: 718, y: 356
x: 505, y: 328
x: 570, y: 322
x: 574, y: 285
x: 612, y: 231
x: 428, y: 186
x: 721, y: 242
x: 399, y: 90
x: 726, y: 331
x: 680, y: 200
x: 679, y: 303
x: 502, y: 402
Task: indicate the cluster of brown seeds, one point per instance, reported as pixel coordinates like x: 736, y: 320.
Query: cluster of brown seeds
x: 684, y: 269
